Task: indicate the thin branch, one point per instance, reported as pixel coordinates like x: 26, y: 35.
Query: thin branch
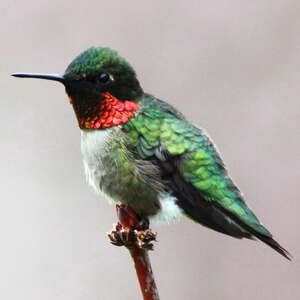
x: 136, y: 236
x: 144, y: 273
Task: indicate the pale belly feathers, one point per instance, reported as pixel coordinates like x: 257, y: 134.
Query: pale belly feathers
x: 111, y: 170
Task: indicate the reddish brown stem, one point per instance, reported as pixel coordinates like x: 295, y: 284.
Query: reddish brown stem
x: 144, y: 273
x: 128, y: 219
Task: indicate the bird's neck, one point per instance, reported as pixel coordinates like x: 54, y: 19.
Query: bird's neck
x: 106, y: 112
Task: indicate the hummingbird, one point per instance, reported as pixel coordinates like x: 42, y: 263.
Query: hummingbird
x: 140, y: 151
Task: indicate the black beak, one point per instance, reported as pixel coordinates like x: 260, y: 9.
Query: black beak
x: 53, y: 77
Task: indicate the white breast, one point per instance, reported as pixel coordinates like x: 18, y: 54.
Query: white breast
x: 93, y: 144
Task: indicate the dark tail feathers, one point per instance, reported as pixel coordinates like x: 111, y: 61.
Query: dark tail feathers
x: 273, y: 244
x: 264, y: 238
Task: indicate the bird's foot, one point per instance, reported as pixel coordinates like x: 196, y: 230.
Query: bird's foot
x: 128, y: 237
x: 132, y: 230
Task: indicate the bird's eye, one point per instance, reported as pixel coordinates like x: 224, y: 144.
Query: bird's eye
x: 104, y: 77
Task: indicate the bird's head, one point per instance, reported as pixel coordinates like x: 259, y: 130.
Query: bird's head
x: 102, y: 87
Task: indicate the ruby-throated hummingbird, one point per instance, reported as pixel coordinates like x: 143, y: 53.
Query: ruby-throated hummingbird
x: 140, y: 151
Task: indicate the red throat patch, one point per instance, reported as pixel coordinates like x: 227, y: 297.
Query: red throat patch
x: 110, y: 112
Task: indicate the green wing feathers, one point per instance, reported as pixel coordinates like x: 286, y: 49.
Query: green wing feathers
x: 199, y: 163
x: 159, y: 130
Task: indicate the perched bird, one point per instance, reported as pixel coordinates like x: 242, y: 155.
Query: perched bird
x: 140, y: 151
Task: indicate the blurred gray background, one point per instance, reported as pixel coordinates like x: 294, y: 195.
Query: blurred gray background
x: 232, y: 67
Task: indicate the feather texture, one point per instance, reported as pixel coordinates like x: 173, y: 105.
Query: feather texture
x: 193, y: 171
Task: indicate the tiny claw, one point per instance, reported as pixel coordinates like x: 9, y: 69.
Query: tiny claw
x: 145, y: 239
x: 131, y: 230
x: 127, y: 237
x: 114, y: 239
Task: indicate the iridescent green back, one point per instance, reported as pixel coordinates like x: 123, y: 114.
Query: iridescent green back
x: 159, y: 131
